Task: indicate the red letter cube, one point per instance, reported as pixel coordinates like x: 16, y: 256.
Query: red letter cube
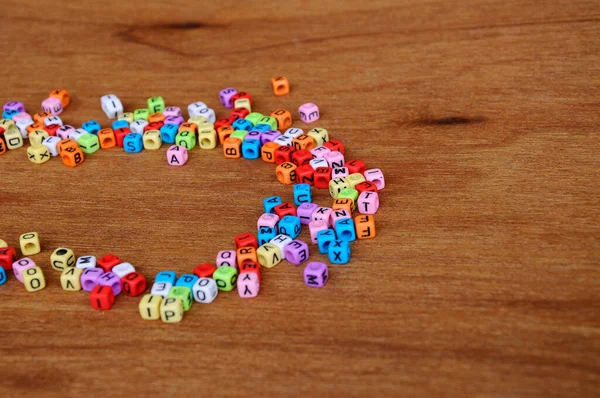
x: 102, y: 297
x: 133, y: 284
x: 205, y: 270
x: 285, y: 209
x: 8, y: 256
x: 245, y: 240
x: 108, y: 262
x: 322, y: 177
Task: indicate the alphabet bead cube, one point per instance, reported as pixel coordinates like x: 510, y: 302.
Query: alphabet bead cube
x: 111, y: 106
x: 265, y: 234
x: 271, y: 202
x: 161, y: 289
x: 89, y: 278
x: 171, y: 310
x: 304, y: 142
x: 251, y: 149
x: 365, y: 227
x: 3, y: 243
x: 141, y: 114
x: 51, y: 120
x: 205, y: 290
x: 168, y: 132
x: 195, y: 108
x: 172, y: 111
x: 133, y: 143
x: 38, y: 154
x: 85, y: 262
x: 70, y: 279
x: 246, y: 254
x: 319, y: 135
x: 20, y: 266
x: 296, y: 252
x: 102, y: 297
x: 245, y: 239
x: 166, y: 277
x: 111, y: 280
x: 344, y: 229
x: 13, y: 139
x: 248, y: 285
x: 281, y: 241
x: 286, y: 173
x: 314, y: 228
x: 376, y: 177
x: 72, y: 156
x: 354, y: 179
x: 89, y: 143
x: 204, y: 270
x: 207, y: 139
x: 186, y: 280
x: 232, y: 148
x: 368, y: 202
x: 281, y: 85
x: 242, y: 103
x: 349, y: 193
x: 323, y: 213
x: 267, y: 220
x: 322, y: 177
x: 324, y: 239
x: 156, y: 104
x: 186, y: 139
x: 62, y: 95
x: 36, y: 138
x: 356, y: 166
x: 64, y: 131
x: 269, y: 255
x: 251, y: 267
x: 226, y: 258
x: 305, y: 212
x: 285, y: 209
x: 316, y: 274
x: 366, y: 186
x: 309, y: 112
x: 30, y: 243
x: 62, y: 258
x: 301, y: 157
x: 8, y: 256
x: 343, y: 204
x: 336, y: 185
x: 91, y: 126
x: 33, y: 279
x: 123, y: 269
x: 338, y: 214
x: 149, y: 307
x: 283, y: 118
x: 52, y: 106
x: 52, y: 144
x: 2, y: 276
x: 339, y: 172
x: 226, y: 278
x: 320, y: 151
x: 177, y: 155
x: 14, y: 106
x: 226, y: 95
x: 339, y: 252
x: 133, y: 284
x: 184, y: 294
x: 290, y: 226
x: 334, y: 159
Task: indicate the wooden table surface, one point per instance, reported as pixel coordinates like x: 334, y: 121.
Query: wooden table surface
x: 483, y: 279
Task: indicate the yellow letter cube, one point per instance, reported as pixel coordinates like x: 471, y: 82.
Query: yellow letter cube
x: 70, y: 279
x: 171, y: 310
x: 30, y: 243
x: 33, y: 279
x: 62, y: 258
x: 152, y: 140
x: 269, y: 255
x: 13, y: 138
x: 128, y: 116
x: 207, y: 139
x: 38, y: 154
x: 318, y: 134
x: 150, y: 307
x: 37, y: 136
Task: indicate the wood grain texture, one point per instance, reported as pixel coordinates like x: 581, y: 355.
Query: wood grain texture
x: 484, y: 278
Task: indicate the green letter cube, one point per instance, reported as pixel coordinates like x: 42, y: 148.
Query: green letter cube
x: 184, y: 294
x: 88, y: 143
x: 156, y: 104
x: 226, y: 278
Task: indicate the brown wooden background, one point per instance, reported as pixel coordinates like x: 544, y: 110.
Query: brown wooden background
x: 484, y: 278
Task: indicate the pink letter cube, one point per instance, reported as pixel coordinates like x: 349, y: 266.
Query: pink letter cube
x: 64, y: 131
x: 177, y: 155
x: 248, y: 284
x: 315, y: 227
x: 14, y: 106
x: 320, y: 151
x: 305, y: 212
x: 368, y: 202
x: 334, y: 159
x: 316, y: 274
x: 52, y: 106
x: 172, y: 111
x: 309, y: 112
x: 376, y: 177
x: 226, y: 258
x: 339, y: 172
x: 21, y: 116
x: 20, y: 266
x: 267, y: 220
x: 323, y: 213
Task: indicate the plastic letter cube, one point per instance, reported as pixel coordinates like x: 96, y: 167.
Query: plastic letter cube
x: 38, y: 154
x: 149, y: 307
x: 304, y: 142
x: 248, y: 285
x: 120, y: 135
x: 205, y: 270
x: 52, y: 144
x: 334, y: 159
x: 171, y: 111
x: 343, y: 204
x: 120, y: 123
x: 20, y: 266
x: 72, y: 156
x: 177, y: 155
x: 207, y: 139
x: 88, y: 262
x: 339, y: 252
x: 13, y: 139
x: 296, y: 252
x: 141, y: 114
x: 232, y: 148
x: 30, y: 243
x: 269, y: 255
x: 133, y: 284
x: 319, y: 135
x: 324, y: 239
x: 123, y: 269
x: 283, y: 117
x: 316, y: 274
x: 8, y: 256
x: 290, y: 226
x: 52, y: 106
x: 111, y: 106
x: 305, y: 212
x: 283, y: 154
x: 226, y: 278
x: 338, y: 214
x: 205, y: 290
x: 286, y: 173
x: 91, y: 126
x: 37, y: 136
x: 102, y: 297
x: 339, y: 172
x: 376, y: 177
x: 70, y: 279
x: 366, y: 186
x: 323, y: 213
x: 186, y: 280
x: 267, y: 220
x: 89, y: 278
x: 112, y: 280
x: 62, y: 95
x: 245, y: 239
x: 365, y: 227
x: 168, y: 132
x: 156, y: 104
x: 186, y: 139
x: 2, y: 276
x: 33, y: 279
x: 336, y: 185
x: 344, y: 229
x: 161, y: 289
x: 14, y: 106
x: 349, y: 193
x: 356, y: 166
x: 246, y: 254
x: 285, y: 209
x: 184, y: 294
x: 152, y: 140
x: 368, y: 202
x: 226, y: 95
x: 265, y: 234
x: 89, y: 143
x: 314, y: 228
x: 133, y: 143
x: 322, y: 177
x: 171, y: 310
x: 270, y: 203
x: 226, y: 258
x: 166, y: 277
x: 335, y: 145
x: 62, y: 258
x: 281, y: 241
x: 281, y: 85
x: 243, y: 103
x: 309, y: 112
x: 301, y: 157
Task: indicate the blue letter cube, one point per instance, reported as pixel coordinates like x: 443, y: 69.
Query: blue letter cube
x: 262, y: 127
x: 187, y: 280
x: 265, y: 234
x: 2, y: 276
x: 344, y: 229
x: 133, y: 143
x: 302, y: 194
x: 91, y: 127
x: 166, y: 277
x: 117, y: 124
x: 251, y: 149
x: 168, y: 132
x: 324, y: 239
x: 290, y: 226
x: 9, y: 113
x: 242, y: 124
x: 339, y: 252
x: 271, y: 202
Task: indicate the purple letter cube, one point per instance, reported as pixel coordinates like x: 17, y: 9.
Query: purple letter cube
x: 316, y: 274
x: 296, y: 252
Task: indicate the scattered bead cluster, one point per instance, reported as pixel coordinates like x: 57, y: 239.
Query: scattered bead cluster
x: 306, y: 160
